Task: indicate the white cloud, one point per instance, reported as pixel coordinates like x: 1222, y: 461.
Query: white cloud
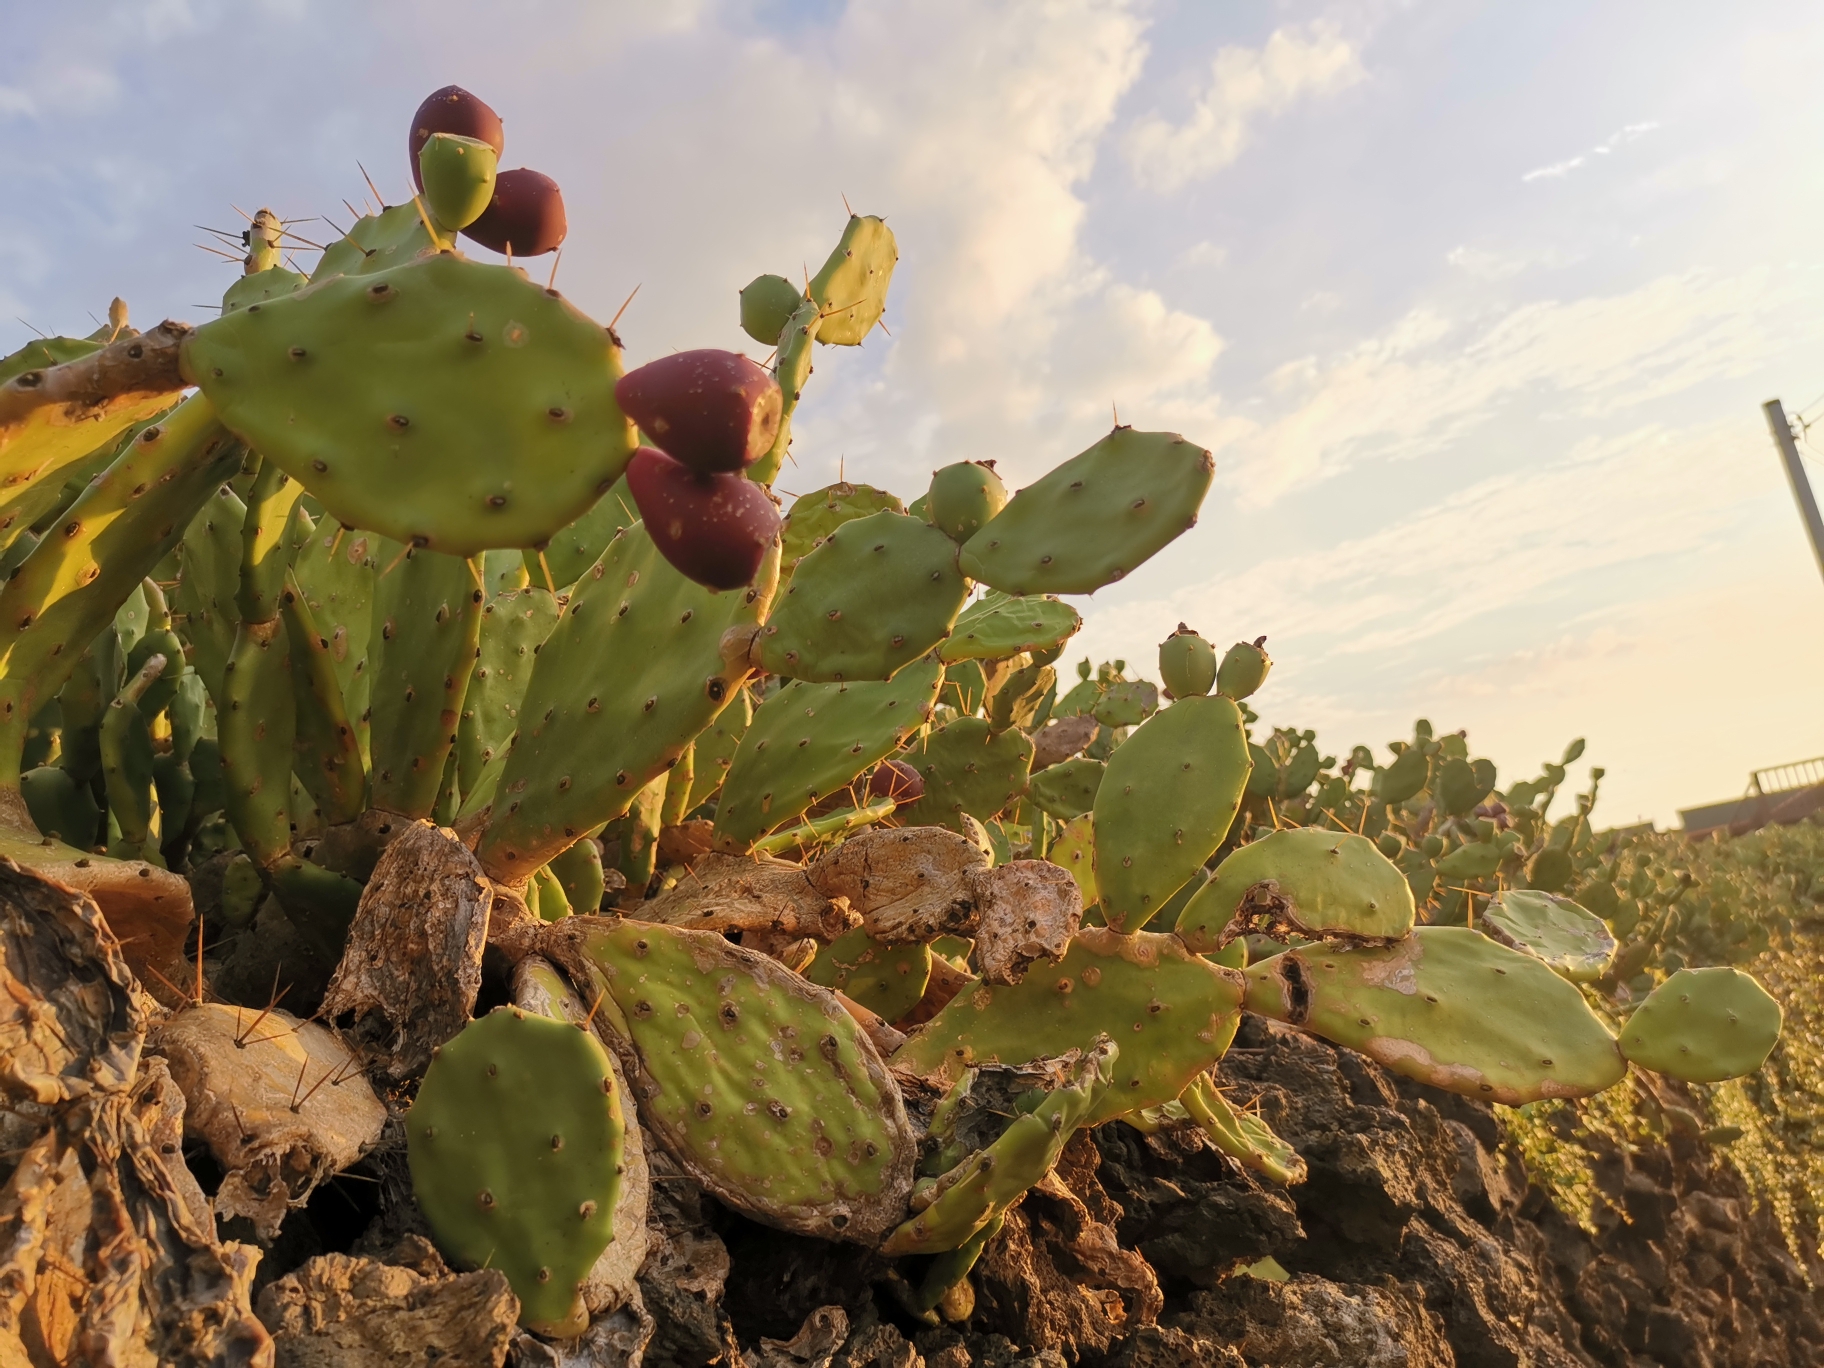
x: 1556, y: 170
x: 1246, y: 85
x: 1429, y: 380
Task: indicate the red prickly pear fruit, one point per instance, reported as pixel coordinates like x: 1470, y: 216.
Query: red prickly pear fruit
x: 453, y: 110
x: 714, y: 529
x: 897, y: 780
x: 715, y: 411
x: 525, y: 217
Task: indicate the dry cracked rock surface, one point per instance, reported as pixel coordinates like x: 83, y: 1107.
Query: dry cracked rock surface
x: 130, y: 1232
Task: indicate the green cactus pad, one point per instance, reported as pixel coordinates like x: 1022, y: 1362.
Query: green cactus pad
x: 328, y: 760
x: 1449, y: 1007
x: 1304, y: 881
x: 580, y: 544
x: 335, y: 572
x: 791, y: 370
x: 124, y: 523
x: 1165, y: 804
x: 1477, y: 860
x: 713, y: 752
x: 426, y: 630
x: 275, y: 282
x: 60, y: 806
x: 1462, y: 784
x: 999, y: 625
x: 1021, y: 697
x: 1173, y: 1012
x: 1126, y: 703
x: 814, y: 516
x: 886, y: 979
x: 1098, y: 517
x: 809, y: 741
x: 981, y: 1189
x: 513, y: 626
x: 767, y: 305
x: 1066, y: 790
x: 759, y: 1083
x: 630, y: 675
x: 377, y: 242
x: 1075, y: 850
x: 444, y: 403
x: 258, y: 730
x: 1552, y: 929
x: 1703, y: 1026
x: 515, y: 1144
x: 1242, y: 1136
x: 851, y: 289
x: 874, y: 596
x: 965, y: 687
x: 968, y: 768
x: 964, y: 497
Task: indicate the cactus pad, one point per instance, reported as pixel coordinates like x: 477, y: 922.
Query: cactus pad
x: 1306, y: 881
x: 886, y: 979
x: 515, y: 1147
x: 1449, y: 1007
x: 1173, y: 1012
x: 444, y: 402
x: 1075, y: 850
x: 999, y: 625
x: 808, y: 741
x: 1067, y: 790
x: 630, y: 675
x: 968, y: 768
x: 1094, y: 519
x: 760, y: 1084
x: 877, y: 594
x: 1703, y: 1025
x: 851, y: 289
x: 815, y: 515
x: 1553, y: 929
x: 1165, y: 804
x: 513, y: 626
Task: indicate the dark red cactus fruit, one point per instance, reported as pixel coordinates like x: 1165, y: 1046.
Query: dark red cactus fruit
x: 525, y: 217
x: 453, y: 110
x: 713, y: 410
x: 897, y: 780
x: 714, y: 529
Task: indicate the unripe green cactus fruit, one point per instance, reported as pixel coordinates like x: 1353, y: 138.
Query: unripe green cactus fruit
x: 964, y: 497
x: 1187, y: 664
x: 1449, y: 1007
x: 392, y: 395
x: 630, y: 675
x: 457, y: 174
x: 767, y: 305
x: 1094, y: 519
x: 758, y: 1083
x: 997, y: 626
x: 877, y: 594
x: 1553, y: 929
x: 1166, y: 802
x: 1703, y: 1026
x: 1304, y: 881
x: 515, y: 1149
x: 809, y: 741
x: 970, y: 770
x: 886, y: 979
x: 851, y: 289
x: 1243, y: 670
x: 1066, y: 790
x: 1173, y: 1012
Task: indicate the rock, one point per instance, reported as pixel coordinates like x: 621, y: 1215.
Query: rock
x: 411, y: 970
x: 281, y: 1103
x: 824, y: 1332
x: 618, y: 1339
x: 341, y: 1311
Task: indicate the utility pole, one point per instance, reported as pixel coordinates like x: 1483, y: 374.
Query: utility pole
x: 1795, y: 475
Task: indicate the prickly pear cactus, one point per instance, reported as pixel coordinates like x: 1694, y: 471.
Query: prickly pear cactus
x: 757, y: 1082
x: 1448, y: 1007
x: 515, y: 1148
x: 970, y: 770
x: 886, y: 979
x: 997, y: 626
x: 1303, y: 881
x: 1552, y: 929
x: 1703, y: 1025
x: 1166, y: 802
x: 391, y: 396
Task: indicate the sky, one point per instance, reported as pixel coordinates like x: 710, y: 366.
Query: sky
x: 1476, y: 304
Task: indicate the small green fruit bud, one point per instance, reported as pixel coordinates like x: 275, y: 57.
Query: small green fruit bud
x: 767, y: 305
x: 458, y: 176
x: 964, y: 497
x: 1243, y: 670
x: 1187, y: 663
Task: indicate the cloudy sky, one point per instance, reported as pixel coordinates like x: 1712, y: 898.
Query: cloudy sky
x: 1475, y: 303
